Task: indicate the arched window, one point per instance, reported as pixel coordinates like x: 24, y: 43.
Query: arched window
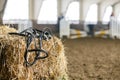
x: 16, y: 9
x: 92, y: 14
x: 48, y: 12
x: 107, y: 14
x: 72, y: 13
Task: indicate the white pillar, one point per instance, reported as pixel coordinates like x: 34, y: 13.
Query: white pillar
x: 81, y: 10
x: 102, y: 11
x: 99, y: 13
x: 34, y: 8
x: 2, y: 9
x: 59, y: 7
x: 31, y: 9
x: 116, y: 10
x: 65, y: 4
x: 37, y: 7
x: 85, y: 7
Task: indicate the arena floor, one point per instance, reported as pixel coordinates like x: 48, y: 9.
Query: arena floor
x: 93, y: 58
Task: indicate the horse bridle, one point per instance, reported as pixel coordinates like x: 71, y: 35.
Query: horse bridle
x: 31, y: 34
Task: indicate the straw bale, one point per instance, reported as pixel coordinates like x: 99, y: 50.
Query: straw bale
x: 12, y: 50
x: 55, y: 66
x: 11, y: 59
x: 5, y: 30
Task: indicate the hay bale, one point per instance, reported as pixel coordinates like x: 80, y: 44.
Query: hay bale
x: 4, y: 30
x: 12, y: 50
x: 11, y: 59
x: 55, y: 66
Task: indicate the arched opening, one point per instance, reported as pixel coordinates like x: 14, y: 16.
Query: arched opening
x: 72, y: 13
x: 48, y: 12
x: 107, y: 14
x: 119, y: 17
x: 92, y: 14
x: 16, y: 9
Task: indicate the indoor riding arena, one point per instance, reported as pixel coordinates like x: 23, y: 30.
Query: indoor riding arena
x: 93, y: 58
x: 59, y: 39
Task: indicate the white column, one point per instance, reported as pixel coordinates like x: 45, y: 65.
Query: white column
x: 116, y: 9
x: 2, y: 9
x: 99, y: 13
x: 86, y: 5
x: 65, y: 4
x: 31, y: 9
x: 81, y: 10
x: 34, y: 8
x: 59, y: 7
x: 37, y: 7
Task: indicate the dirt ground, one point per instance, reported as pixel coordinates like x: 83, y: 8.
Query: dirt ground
x: 93, y: 58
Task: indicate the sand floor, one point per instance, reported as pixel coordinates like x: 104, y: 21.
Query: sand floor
x: 93, y: 58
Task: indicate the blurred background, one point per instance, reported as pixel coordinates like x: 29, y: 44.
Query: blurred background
x: 78, y: 13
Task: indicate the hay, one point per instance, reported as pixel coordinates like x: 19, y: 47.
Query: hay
x: 12, y: 50
x: 11, y: 65
x: 55, y: 66
x: 4, y: 30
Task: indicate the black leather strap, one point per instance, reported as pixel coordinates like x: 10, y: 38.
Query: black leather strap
x: 31, y: 35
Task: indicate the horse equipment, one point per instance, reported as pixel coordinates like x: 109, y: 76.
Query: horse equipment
x: 31, y: 34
